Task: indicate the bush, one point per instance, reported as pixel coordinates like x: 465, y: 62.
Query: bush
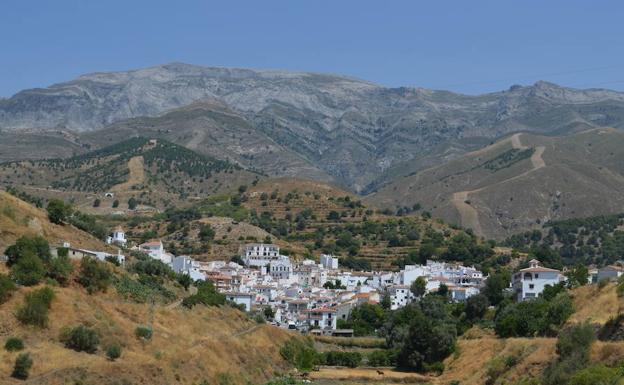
x: 143, y: 332
x: 7, y: 287
x: 14, y: 344
x: 206, y: 295
x: 28, y: 271
x: 382, y: 358
x: 35, y: 309
x: 60, y: 269
x: 94, y: 275
x: 300, y: 353
x: 23, y: 363
x: 113, y: 352
x: 535, y: 317
x: 34, y: 245
x: 81, y: 339
x: 338, y: 358
x: 596, y: 375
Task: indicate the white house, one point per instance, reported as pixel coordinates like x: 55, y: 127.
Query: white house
x: 329, y: 261
x: 530, y: 282
x: 322, y: 318
x: 610, y: 273
x: 400, y: 295
x: 118, y: 236
x: 280, y: 268
x: 186, y: 265
x: 156, y: 250
x: 240, y: 299
x: 260, y: 254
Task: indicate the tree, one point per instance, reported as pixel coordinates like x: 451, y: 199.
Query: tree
x: 495, y: 286
x: 268, y: 312
x: 35, y: 245
x: 116, y: 203
x: 476, y: 306
x: 578, y: 276
x: 443, y: 290
x: 28, y: 271
x: 185, y: 280
x: 22, y: 366
x: 34, y: 311
x: 97, y: 202
x: 60, y: 269
x: 418, y: 287
x: 132, y: 203
x: 58, y: 211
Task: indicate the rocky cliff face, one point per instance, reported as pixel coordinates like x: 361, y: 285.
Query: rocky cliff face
x: 359, y: 133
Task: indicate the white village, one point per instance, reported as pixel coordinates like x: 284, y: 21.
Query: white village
x: 314, y: 297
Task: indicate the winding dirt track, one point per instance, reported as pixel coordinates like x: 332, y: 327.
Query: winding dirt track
x: 469, y: 216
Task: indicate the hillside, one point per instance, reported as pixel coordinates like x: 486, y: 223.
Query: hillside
x: 361, y: 134
x: 19, y: 218
x: 519, y: 183
x: 187, y: 347
x: 156, y: 173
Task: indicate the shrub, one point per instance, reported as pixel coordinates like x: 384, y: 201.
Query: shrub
x: 382, y: 358
x: 113, y: 352
x: 60, y: 269
x: 14, y: 344
x: 338, y: 358
x: 35, y: 309
x: 94, y: 275
x: 7, y: 287
x: 28, y: 271
x: 143, y: 332
x: 596, y: 375
x: 206, y: 295
x: 34, y: 245
x: 81, y: 339
x: 23, y: 363
x: 300, y: 353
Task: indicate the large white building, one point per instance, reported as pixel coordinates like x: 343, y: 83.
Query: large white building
x: 260, y: 254
x: 329, y: 261
x: 280, y: 268
x: 529, y: 283
x: 156, y: 250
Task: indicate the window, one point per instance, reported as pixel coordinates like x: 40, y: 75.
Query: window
x: 536, y: 275
x: 531, y: 286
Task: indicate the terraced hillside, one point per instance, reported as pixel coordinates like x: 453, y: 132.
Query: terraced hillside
x: 155, y: 173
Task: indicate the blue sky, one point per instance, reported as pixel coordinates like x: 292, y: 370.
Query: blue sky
x: 465, y: 46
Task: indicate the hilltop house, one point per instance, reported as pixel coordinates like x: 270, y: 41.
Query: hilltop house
x: 530, y: 282
x: 118, y: 236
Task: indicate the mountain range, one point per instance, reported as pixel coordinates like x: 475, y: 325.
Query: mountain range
x: 361, y: 136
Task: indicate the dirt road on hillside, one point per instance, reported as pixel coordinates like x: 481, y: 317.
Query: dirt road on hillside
x: 469, y: 216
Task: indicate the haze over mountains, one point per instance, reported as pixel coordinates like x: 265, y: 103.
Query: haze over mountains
x: 354, y: 133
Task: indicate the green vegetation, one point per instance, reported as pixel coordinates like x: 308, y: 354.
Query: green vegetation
x: 22, y: 366
x: 143, y: 333
x: 7, y: 287
x: 338, y: 358
x: 573, y: 348
x: 113, y: 352
x: 94, y: 275
x: 300, y: 353
x: 508, y: 158
x: 13, y: 344
x: 35, y: 309
x: 206, y: 295
x: 365, y: 320
x: 81, y: 339
x: 538, y: 317
x: 58, y: 211
x: 580, y: 241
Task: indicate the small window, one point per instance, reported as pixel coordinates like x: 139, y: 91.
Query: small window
x: 536, y: 275
x: 531, y: 286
